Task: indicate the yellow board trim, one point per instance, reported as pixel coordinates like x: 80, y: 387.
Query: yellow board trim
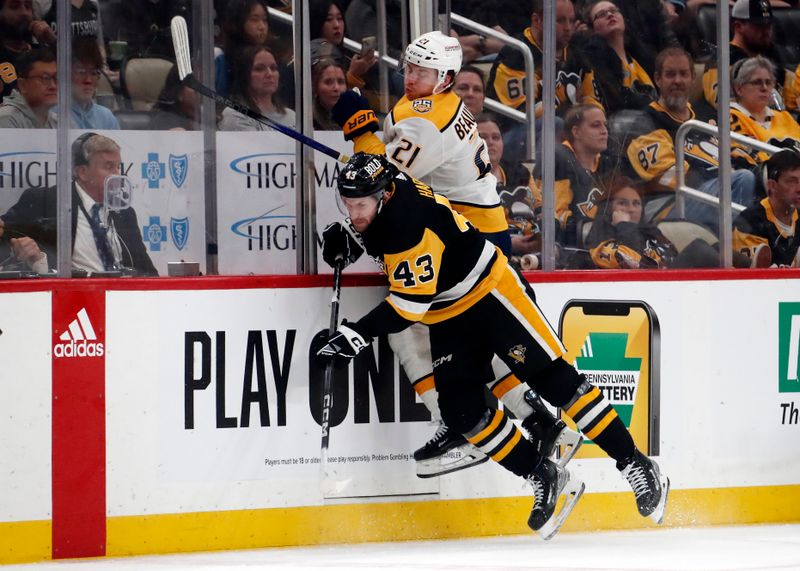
x: 22, y: 542
x: 449, y: 519
x: 26, y: 541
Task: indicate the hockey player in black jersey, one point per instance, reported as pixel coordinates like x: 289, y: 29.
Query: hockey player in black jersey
x: 444, y: 274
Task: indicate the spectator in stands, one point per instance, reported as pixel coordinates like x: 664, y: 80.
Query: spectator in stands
x: 326, y: 21
x: 246, y: 23
x: 471, y: 88
x: 328, y: 83
x: 647, y: 30
x: 752, y: 82
x: 30, y: 105
x: 97, y: 245
x: 508, y: 71
x: 752, y: 36
x: 507, y: 16
x: 361, y: 20
x: 255, y: 85
x: 582, y: 166
x: 86, y: 24
x: 86, y: 65
x: 619, y: 238
x: 620, y: 82
x: 769, y: 232
x: 652, y: 155
x: 176, y: 107
x: 16, y: 17
x: 520, y: 197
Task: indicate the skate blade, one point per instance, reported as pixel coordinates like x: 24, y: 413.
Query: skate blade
x: 453, y: 460
x: 658, y: 513
x: 569, y: 442
x: 571, y: 493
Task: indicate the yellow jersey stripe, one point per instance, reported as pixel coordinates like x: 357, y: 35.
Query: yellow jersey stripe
x: 501, y: 388
x: 592, y: 434
x: 483, y: 434
x: 581, y: 403
x: 487, y: 220
x: 425, y: 385
x: 505, y: 450
x: 439, y: 109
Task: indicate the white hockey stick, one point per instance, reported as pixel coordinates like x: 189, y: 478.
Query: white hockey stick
x: 180, y: 42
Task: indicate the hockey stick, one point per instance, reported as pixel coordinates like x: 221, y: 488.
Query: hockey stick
x: 180, y: 42
x: 329, y: 485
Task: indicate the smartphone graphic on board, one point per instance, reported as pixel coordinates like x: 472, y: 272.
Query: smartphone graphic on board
x: 616, y: 345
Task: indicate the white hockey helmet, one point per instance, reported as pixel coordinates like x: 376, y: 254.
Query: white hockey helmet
x: 437, y: 51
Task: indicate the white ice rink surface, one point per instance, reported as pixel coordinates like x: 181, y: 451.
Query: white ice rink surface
x: 746, y: 548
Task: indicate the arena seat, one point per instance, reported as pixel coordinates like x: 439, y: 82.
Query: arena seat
x: 682, y: 233
x: 142, y: 79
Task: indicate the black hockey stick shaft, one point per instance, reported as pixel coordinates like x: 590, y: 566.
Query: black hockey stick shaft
x: 327, y: 383
x: 180, y: 42
x: 190, y: 81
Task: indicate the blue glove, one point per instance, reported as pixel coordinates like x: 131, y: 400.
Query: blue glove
x: 353, y: 114
x: 344, y: 344
x: 338, y: 242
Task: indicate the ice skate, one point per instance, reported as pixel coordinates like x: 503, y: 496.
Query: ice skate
x: 549, y: 439
x: 448, y: 451
x: 548, y: 433
x: 550, y: 482
x: 649, y: 485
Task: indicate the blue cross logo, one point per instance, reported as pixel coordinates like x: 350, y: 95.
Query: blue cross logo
x: 153, y: 171
x: 155, y: 233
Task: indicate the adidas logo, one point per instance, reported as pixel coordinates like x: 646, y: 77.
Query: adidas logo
x: 79, y: 340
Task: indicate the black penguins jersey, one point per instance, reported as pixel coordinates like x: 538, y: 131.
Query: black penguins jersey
x: 507, y: 77
x: 758, y: 225
x: 438, y: 265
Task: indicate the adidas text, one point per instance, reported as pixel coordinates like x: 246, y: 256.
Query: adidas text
x: 79, y: 349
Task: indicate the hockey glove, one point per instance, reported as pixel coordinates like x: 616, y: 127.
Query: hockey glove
x: 345, y: 343
x: 339, y: 242
x: 353, y: 114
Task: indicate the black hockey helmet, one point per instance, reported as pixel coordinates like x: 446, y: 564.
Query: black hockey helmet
x: 364, y: 175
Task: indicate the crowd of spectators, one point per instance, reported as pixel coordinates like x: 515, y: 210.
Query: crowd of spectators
x: 629, y: 73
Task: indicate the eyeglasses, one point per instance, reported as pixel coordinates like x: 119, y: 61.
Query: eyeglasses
x: 768, y: 83
x: 82, y: 72
x: 605, y: 13
x: 44, y: 80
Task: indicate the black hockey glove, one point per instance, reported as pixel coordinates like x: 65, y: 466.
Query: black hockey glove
x: 353, y: 114
x: 345, y: 343
x: 338, y: 242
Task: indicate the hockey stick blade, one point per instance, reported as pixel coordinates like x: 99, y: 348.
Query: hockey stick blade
x: 180, y: 43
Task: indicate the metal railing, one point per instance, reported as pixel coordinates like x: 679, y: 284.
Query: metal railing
x: 529, y: 114
x: 680, y: 173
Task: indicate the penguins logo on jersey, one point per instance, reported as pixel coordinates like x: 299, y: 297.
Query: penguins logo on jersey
x: 517, y: 353
x: 422, y: 105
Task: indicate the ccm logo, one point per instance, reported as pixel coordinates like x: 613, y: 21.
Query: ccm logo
x: 442, y: 360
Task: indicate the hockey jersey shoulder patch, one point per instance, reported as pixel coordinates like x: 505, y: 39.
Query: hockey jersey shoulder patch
x: 439, y: 109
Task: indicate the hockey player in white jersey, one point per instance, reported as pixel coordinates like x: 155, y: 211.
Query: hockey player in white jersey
x: 431, y: 135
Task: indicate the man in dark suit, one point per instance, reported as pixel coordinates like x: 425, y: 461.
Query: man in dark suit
x: 98, y: 244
